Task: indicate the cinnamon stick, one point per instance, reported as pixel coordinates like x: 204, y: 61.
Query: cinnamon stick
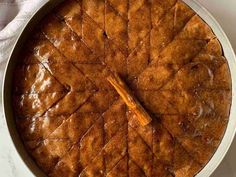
x: 132, y: 103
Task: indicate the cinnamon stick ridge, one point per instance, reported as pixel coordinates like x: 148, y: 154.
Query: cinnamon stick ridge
x: 132, y: 103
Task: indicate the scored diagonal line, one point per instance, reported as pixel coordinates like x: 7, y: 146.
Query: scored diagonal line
x: 147, y: 66
x: 63, y: 86
x: 77, y: 109
x: 147, y: 33
x: 154, y: 155
x: 114, y: 9
x: 163, y: 49
x: 86, y: 132
x: 116, y: 164
x: 130, y: 158
x: 81, y: 40
x: 106, y: 37
x: 170, y: 42
x: 67, y: 58
x: 59, y: 159
x: 161, y: 18
x: 104, y: 144
x: 70, y: 115
x: 143, y: 172
x: 42, y: 64
x: 174, y: 74
x: 50, y: 92
x: 187, y: 152
x: 150, y: 64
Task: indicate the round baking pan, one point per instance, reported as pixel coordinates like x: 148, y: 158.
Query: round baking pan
x: 7, y: 86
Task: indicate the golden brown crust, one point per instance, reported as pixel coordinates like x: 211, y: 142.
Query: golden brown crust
x: 118, y: 34
x: 139, y: 17
x: 73, y: 122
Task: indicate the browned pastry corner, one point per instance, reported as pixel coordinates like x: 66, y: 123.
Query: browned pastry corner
x: 74, y: 123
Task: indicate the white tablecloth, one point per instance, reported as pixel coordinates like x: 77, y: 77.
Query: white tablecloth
x: 13, y: 16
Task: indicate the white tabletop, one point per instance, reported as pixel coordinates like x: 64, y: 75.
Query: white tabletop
x: 224, y: 11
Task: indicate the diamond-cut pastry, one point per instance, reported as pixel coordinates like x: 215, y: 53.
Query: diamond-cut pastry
x: 72, y: 121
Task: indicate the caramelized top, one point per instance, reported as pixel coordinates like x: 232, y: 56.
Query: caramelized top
x: 73, y: 123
